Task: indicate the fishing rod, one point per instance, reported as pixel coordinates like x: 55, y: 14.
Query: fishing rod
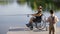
x: 18, y: 15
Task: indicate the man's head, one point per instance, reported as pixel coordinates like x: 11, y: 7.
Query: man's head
x: 39, y: 8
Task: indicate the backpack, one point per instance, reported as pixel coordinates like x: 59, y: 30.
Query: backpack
x: 53, y: 19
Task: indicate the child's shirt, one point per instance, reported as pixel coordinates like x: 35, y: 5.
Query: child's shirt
x: 50, y: 20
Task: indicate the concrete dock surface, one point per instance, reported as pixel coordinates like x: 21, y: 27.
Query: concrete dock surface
x: 25, y: 30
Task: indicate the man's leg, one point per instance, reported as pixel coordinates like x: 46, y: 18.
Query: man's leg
x: 30, y: 24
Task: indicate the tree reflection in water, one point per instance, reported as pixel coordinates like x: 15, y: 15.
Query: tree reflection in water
x: 47, y: 4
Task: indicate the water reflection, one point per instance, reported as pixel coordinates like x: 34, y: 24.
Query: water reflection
x: 21, y: 2
x: 47, y: 4
x: 5, y: 2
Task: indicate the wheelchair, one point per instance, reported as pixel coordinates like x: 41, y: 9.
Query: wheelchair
x: 40, y: 25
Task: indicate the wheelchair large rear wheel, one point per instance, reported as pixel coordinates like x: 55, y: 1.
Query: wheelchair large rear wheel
x: 41, y: 25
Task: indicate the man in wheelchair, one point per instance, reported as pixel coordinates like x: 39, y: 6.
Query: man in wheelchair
x: 37, y: 18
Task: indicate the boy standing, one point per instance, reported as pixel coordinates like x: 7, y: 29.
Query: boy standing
x: 52, y: 19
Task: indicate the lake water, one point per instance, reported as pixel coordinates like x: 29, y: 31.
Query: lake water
x: 13, y: 14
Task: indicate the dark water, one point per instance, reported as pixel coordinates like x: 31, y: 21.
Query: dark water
x: 13, y: 14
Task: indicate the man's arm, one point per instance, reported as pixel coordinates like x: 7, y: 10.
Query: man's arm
x: 33, y: 14
x: 36, y: 14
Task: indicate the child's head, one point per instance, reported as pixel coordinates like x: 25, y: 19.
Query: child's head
x: 51, y: 12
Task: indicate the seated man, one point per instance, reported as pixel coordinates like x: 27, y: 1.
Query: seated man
x: 38, y: 17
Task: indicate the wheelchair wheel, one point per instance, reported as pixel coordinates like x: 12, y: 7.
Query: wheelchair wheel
x: 41, y: 25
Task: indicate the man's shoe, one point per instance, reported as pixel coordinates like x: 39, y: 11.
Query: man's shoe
x: 31, y: 28
x: 27, y: 25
